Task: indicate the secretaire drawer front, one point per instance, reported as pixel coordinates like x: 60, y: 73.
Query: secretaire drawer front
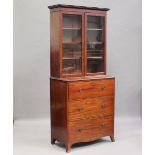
x: 95, y: 88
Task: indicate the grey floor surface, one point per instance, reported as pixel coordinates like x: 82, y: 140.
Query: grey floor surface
x: 32, y: 137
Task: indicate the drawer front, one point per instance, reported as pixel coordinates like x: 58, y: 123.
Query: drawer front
x: 92, y: 108
x: 87, y: 130
x: 94, y: 88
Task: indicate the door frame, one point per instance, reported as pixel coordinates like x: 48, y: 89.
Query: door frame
x: 82, y: 41
x: 104, y: 46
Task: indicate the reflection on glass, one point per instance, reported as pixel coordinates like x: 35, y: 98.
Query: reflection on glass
x: 95, y: 22
x: 71, y: 44
x: 71, y: 21
x: 94, y: 65
x: 95, y: 36
x: 95, y: 43
x: 71, y: 36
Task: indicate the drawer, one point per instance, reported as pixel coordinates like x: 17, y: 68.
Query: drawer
x: 87, y: 89
x: 86, y: 130
x: 102, y: 107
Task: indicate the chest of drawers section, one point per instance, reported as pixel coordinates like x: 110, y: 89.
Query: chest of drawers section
x: 82, y: 110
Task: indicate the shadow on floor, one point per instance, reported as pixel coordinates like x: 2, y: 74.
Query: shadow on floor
x: 82, y: 144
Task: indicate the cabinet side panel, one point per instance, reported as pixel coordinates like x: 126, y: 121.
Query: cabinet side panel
x: 105, y: 44
x: 58, y: 110
x: 54, y: 44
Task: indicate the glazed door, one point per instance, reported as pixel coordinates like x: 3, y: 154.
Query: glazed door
x: 95, y: 44
x: 72, y: 44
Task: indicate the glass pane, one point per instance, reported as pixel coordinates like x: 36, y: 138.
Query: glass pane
x: 72, y: 44
x: 95, y: 44
x: 71, y: 21
x: 71, y: 35
x: 95, y: 22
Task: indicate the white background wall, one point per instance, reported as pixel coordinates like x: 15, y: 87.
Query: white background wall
x: 32, y: 49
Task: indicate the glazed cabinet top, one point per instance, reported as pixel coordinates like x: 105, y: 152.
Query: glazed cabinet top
x: 77, y: 41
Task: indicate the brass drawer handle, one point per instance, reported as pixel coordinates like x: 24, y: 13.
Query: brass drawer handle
x: 81, y: 129
x: 80, y: 109
x: 81, y: 90
x: 103, y: 106
x: 103, y: 88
